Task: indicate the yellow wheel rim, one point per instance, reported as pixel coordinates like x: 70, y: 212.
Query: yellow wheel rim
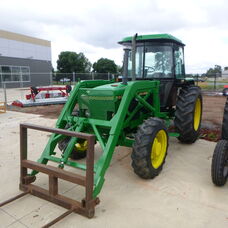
x: 81, y: 146
x: 159, y: 148
x: 197, y: 114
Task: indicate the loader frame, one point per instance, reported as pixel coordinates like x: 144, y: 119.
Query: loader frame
x: 115, y: 126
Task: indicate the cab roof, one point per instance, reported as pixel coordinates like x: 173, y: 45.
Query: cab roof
x: 153, y: 37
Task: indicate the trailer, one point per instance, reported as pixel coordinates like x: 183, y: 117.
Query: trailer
x: 44, y: 96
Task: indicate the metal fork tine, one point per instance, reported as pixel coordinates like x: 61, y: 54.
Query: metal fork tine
x: 59, y: 218
x: 13, y: 198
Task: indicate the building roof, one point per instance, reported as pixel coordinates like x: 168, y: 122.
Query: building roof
x: 165, y: 36
x: 23, y: 38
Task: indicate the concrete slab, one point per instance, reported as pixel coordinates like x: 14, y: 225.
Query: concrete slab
x: 182, y: 195
x: 17, y: 225
x: 5, y: 219
x: 42, y: 215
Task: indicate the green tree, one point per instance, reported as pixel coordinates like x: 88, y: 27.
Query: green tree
x: 213, y: 71
x: 119, y: 69
x: 104, y: 65
x: 69, y: 62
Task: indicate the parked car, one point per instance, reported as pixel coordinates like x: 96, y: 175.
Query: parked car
x: 64, y: 80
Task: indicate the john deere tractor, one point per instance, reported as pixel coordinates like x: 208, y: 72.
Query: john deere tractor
x: 138, y: 111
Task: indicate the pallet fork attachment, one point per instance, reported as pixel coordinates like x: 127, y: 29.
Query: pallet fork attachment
x: 87, y: 206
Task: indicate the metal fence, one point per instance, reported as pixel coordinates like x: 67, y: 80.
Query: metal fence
x: 63, y: 78
x: 8, y: 94
x: 11, y: 90
x: 210, y: 82
x: 207, y: 82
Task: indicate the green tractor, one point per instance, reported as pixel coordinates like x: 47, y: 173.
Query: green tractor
x: 136, y: 112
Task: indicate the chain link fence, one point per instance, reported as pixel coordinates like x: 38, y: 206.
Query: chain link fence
x: 207, y: 82
x: 9, y: 94
x: 11, y: 90
x: 210, y: 82
x: 72, y: 78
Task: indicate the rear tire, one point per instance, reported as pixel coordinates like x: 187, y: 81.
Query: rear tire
x: 150, y: 148
x: 219, y: 166
x: 188, y: 114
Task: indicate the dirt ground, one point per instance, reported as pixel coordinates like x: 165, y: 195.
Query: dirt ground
x: 211, y: 120
x: 213, y: 107
x: 49, y: 111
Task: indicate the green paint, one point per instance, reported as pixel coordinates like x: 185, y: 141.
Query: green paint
x: 110, y: 130
x: 152, y: 37
x: 112, y: 112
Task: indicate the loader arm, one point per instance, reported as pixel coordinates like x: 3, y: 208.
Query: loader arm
x: 139, y: 91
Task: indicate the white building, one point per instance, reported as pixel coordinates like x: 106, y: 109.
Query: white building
x: 24, y: 58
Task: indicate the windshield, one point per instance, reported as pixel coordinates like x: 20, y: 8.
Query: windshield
x: 156, y: 63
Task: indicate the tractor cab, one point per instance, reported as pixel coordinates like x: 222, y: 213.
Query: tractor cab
x: 156, y: 57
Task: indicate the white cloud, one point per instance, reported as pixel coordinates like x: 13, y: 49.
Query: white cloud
x: 94, y: 27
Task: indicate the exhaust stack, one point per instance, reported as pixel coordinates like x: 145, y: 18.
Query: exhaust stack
x: 133, y: 76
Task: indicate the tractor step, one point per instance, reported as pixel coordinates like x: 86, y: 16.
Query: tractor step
x: 87, y: 205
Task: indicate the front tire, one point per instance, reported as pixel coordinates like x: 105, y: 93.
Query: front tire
x: 79, y: 151
x: 188, y: 114
x: 219, y: 166
x: 150, y: 148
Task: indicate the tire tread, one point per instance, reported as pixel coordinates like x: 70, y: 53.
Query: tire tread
x: 140, y: 155
x: 184, y: 115
x: 217, y: 166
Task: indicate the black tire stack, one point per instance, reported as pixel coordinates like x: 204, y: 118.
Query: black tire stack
x: 219, y: 166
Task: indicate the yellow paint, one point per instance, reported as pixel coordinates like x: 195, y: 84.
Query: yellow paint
x: 197, y: 114
x: 81, y: 146
x: 159, y: 148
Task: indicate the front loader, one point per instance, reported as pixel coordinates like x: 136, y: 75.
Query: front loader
x: 135, y: 112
